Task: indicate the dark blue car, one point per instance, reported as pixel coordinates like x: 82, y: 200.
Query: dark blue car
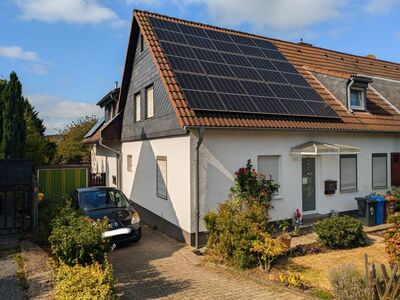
x: 99, y: 202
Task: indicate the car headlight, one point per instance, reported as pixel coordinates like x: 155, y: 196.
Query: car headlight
x: 135, y: 218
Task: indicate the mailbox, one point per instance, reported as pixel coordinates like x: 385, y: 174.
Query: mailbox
x: 330, y: 186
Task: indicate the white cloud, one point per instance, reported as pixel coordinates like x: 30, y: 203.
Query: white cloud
x: 58, y: 112
x: 277, y: 14
x: 39, y: 69
x: 380, y: 6
x: 15, y: 52
x: 71, y: 11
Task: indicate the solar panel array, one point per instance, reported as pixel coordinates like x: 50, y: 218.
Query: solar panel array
x: 225, y: 72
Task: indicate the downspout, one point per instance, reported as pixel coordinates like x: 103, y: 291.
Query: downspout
x: 197, y: 200
x: 348, y: 94
x: 118, y: 154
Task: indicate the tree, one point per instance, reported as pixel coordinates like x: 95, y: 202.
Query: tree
x: 2, y: 87
x: 72, y: 149
x: 13, y: 124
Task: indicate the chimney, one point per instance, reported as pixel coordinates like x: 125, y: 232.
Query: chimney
x: 371, y: 56
x: 116, y: 84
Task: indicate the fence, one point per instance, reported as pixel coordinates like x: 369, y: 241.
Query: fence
x: 16, y: 196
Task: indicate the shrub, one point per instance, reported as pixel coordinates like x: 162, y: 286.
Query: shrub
x: 392, y: 239
x: 292, y: 280
x: 78, y: 240
x: 267, y: 249
x: 84, y: 282
x: 49, y: 210
x: 348, y: 283
x: 342, y: 232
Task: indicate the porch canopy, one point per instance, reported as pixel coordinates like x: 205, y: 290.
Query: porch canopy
x: 317, y: 148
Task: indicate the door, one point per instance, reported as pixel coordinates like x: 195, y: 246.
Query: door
x: 395, y: 169
x: 308, y: 184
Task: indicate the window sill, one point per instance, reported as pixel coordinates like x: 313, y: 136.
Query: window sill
x: 379, y: 187
x: 349, y: 191
x: 277, y: 197
x: 162, y: 197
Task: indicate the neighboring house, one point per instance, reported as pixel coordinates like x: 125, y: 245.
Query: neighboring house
x: 104, y: 158
x: 194, y: 95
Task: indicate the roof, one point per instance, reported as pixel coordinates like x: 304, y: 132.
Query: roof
x: 305, y: 58
x: 109, y: 97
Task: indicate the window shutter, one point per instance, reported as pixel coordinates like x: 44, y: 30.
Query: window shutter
x: 150, y: 102
x: 379, y: 170
x: 162, y: 177
x: 137, y: 108
x: 348, y: 172
x: 269, y: 166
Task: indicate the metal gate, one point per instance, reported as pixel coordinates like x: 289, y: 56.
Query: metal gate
x: 16, y: 196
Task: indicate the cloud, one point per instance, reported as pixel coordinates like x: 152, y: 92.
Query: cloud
x: 39, y: 69
x: 70, y: 11
x: 277, y: 14
x: 380, y: 6
x: 15, y: 52
x: 58, y: 112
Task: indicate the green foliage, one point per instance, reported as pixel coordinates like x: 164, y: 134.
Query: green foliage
x: 241, y: 220
x: 348, y: 283
x: 12, y: 143
x: 340, y: 232
x: 84, y: 282
x: 71, y: 148
x: 49, y: 210
x: 76, y: 239
x: 321, y: 294
x: 268, y: 249
x: 392, y: 239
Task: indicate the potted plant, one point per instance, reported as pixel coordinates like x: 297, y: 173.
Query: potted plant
x: 285, y: 237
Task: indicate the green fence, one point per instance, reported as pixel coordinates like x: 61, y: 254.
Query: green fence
x: 59, y: 181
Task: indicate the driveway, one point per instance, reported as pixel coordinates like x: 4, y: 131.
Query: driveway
x: 156, y: 268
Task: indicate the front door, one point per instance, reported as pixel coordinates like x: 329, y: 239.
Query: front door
x: 308, y: 184
x: 395, y: 169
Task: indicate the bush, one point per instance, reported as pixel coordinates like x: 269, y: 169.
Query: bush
x: 84, y: 282
x: 267, y: 249
x: 78, y: 240
x: 340, y: 232
x: 49, y: 210
x: 392, y: 239
x: 348, y: 283
x: 241, y: 219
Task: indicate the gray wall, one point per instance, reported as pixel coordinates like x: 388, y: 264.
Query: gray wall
x: 165, y: 122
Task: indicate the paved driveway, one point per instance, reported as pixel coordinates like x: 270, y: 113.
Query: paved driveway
x: 155, y: 268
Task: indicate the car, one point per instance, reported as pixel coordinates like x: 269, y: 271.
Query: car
x: 99, y: 202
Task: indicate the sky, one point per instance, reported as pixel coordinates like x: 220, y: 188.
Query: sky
x: 69, y: 53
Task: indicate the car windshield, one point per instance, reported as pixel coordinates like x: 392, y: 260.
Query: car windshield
x: 100, y: 199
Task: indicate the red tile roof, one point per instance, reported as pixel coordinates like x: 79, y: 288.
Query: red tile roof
x: 306, y: 59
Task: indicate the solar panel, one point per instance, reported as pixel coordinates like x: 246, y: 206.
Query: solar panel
x: 222, y: 71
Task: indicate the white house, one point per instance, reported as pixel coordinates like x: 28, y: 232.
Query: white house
x: 196, y: 102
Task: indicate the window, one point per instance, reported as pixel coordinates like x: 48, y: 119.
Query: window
x: 269, y: 166
x: 137, y: 107
x: 161, y: 180
x: 141, y: 43
x: 379, y: 170
x: 150, y: 102
x: 357, y: 99
x: 348, y: 172
x: 129, y: 163
x: 109, y: 112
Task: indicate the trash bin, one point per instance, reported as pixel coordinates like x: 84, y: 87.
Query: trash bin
x: 379, y: 208
x: 366, y: 210
x: 390, y: 206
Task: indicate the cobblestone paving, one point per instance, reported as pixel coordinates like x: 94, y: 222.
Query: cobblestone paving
x: 9, y: 288
x: 154, y: 268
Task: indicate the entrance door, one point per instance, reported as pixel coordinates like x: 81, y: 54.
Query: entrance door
x: 308, y: 184
x: 395, y: 169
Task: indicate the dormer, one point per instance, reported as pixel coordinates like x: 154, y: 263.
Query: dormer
x: 109, y: 102
x: 357, y: 92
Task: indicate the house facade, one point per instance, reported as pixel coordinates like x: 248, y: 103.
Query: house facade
x: 196, y: 102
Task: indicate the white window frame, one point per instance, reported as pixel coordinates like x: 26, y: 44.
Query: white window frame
x: 347, y: 156
x: 149, y: 102
x: 362, y: 98
x: 129, y: 163
x: 277, y: 180
x: 163, y: 193
x: 380, y: 155
x: 137, y: 107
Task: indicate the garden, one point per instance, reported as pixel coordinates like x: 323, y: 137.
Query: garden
x: 337, y: 260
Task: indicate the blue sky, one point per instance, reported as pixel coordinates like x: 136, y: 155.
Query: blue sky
x: 68, y: 53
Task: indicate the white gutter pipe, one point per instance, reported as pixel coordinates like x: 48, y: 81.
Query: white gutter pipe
x: 197, y: 200
x: 348, y: 94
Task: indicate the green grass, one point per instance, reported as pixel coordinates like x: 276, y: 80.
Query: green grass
x: 19, y: 260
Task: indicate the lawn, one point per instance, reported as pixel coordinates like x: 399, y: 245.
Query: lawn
x: 315, y: 267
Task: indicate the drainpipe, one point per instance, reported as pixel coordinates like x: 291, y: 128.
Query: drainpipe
x: 348, y: 94
x: 197, y: 200
x: 118, y: 154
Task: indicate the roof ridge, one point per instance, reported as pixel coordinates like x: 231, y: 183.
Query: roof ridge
x: 305, y: 45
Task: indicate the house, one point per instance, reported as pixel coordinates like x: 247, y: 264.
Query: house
x: 197, y: 101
